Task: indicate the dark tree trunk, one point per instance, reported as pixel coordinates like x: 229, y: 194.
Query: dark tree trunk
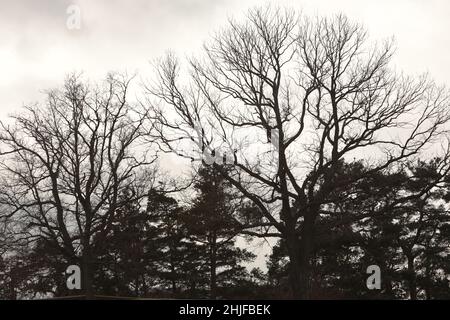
x: 389, y: 288
x: 412, y: 278
x: 12, y: 288
x: 213, y: 269
x: 294, y: 267
x: 174, y: 285
x: 144, y: 286
x: 300, y: 251
x: 428, y: 295
x: 136, y: 288
x: 86, y: 274
x: 174, y: 282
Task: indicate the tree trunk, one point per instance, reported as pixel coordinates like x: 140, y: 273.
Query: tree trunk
x: 86, y: 273
x: 306, y: 249
x: 144, y: 286
x: 412, y: 278
x: 174, y: 283
x: 300, y: 251
x: 294, y: 267
x: 12, y: 287
x: 427, y: 283
x: 389, y: 289
x: 136, y: 288
x: 213, y: 269
x: 174, y: 286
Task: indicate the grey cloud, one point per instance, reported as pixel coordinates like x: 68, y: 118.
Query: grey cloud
x: 118, y: 34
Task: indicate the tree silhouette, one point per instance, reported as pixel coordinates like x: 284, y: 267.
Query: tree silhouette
x: 326, y: 93
x: 213, y: 223
x: 64, y: 166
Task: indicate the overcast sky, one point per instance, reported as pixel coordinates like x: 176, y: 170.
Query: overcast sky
x: 37, y: 49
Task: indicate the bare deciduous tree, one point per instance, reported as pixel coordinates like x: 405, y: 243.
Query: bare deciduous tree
x: 327, y: 94
x: 64, y: 167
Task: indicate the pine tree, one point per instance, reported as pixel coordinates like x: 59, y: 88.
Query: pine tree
x: 212, y: 222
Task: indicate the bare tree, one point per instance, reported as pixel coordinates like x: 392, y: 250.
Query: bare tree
x: 65, y: 165
x: 320, y: 93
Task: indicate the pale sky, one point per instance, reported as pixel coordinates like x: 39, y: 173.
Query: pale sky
x: 37, y: 49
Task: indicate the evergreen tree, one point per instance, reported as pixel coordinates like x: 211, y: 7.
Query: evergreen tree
x: 213, y: 223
